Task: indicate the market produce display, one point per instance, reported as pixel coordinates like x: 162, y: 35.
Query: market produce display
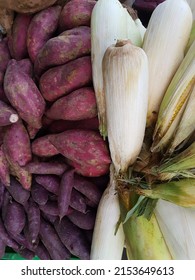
x: 97, y: 130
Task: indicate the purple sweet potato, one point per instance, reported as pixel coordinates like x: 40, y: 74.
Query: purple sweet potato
x: 4, y: 55
x: 7, y: 198
x: 66, y: 78
x: 49, y: 182
x: 23, y: 94
x: 32, y: 131
x: 42, y: 252
x: 84, y: 221
x: 43, y: 168
x: 7, y: 114
x: 6, y: 238
x: 78, y: 105
x: 18, y: 193
x: 62, y: 125
x: 2, y: 189
x: 3, y: 97
x: 18, y: 37
x: 71, y: 17
x: 52, y: 242
x: 16, y: 144
x: 48, y: 217
x: 77, y: 201
x: 15, y: 218
x: 88, y: 189
x: 39, y: 194
x: 86, y: 149
x: 26, y: 66
x: 23, y: 176
x: 4, y: 58
x: 21, y: 240
x: 2, y: 248
x: 42, y: 147
x: 4, y: 169
x: 50, y: 208
x: 62, y: 49
x: 73, y: 238
x: 41, y: 29
x: 64, y: 197
x: 26, y: 253
x: 33, y: 216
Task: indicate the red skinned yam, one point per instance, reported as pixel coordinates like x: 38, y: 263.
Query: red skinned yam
x: 66, y: 78
x: 4, y: 169
x: 62, y: 49
x: 71, y: 17
x: 41, y: 29
x: 42, y: 147
x: 62, y: 125
x: 78, y: 105
x: 23, y: 94
x: 7, y: 114
x: 84, y: 148
x: 17, y: 145
x: 18, y: 38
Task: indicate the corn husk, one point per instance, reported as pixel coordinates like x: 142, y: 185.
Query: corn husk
x: 192, y: 6
x: 186, y: 125
x: 192, y: 37
x: 182, y: 164
x: 125, y: 73
x: 108, y: 242
x: 178, y: 226
x: 109, y: 22
x: 180, y: 192
x: 174, y: 101
x: 144, y: 239
x: 164, y: 42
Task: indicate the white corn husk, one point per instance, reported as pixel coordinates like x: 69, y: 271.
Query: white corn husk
x: 192, y: 6
x: 125, y: 73
x: 186, y: 125
x: 141, y: 28
x: 107, y: 243
x: 175, y: 100
x: 178, y: 227
x: 164, y: 42
x: 109, y: 22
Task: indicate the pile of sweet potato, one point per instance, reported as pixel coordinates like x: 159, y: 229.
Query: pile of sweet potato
x: 54, y: 164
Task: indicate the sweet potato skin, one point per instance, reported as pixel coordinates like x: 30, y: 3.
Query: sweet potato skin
x: 18, y: 193
x: 62, y: 49
x: 65, y: 190
x: 4, y: 58
x: 52, y: 167
x: 62, y: 125
x: 71, y: 17
x: 78, y: 105
x: 23, y: 94
x: 66, y: 78
x: 50, y: 182
x: 17, y: 145
x: 42, y: 147
x: 41, y: 29
x: 52, y: 242
x: 7, y: 114
x: 84, y: 148
x: 4, y: 168
x: 18, y: 39
x: 15, y: 218
x: 26, y: 66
